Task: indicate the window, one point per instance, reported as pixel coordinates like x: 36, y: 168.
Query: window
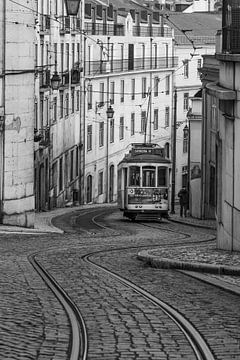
x: 78, y: 100
x: 62, y: 57
x: 112, y: 92
x: 167, y: 85
x: 185, y: 141
x: 73, y: 54
x: 185, y: 101
x: 89, y: 137
x: 67, y: 57
x: 143, y: 56
x: 111, y: 130
x: 144, y: 87
x: 76, y: 161
x: 132, y: 124
x: 155, y: 119
x: 100, y: 183
x: 184, y: 176
x: 60, y: 179
x: 36, y: 114
x: 212, y: 187
x: 143, y: 121
x: 89, y: 96
x: 162, y: 172
x: 154, y: 56
x: 156, y: 82
x: 167, y: 116
x: 121, y: 128
x: 167, y: 148
x: 67, y: 104
x: 149, y: 176
x: 199, y: 65
x: 55, y: 109
x: 133, y: 89
x: 101, y: 95
x: 41, y: 111
x: 185, y: 69
x: 122, y: 57
x: 101, y: 133
x: 71, y: 165
x: 73, y: 99
x: 134, y: 176
x: 122, y: 91
x: 61, y: 104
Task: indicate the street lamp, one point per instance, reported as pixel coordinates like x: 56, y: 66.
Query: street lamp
x: 110, y: 112
x: 55, y: 81
x: 72, y: 7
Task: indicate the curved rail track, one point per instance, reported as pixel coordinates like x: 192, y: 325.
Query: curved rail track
x: 196, y: 341
x: 78, y: 342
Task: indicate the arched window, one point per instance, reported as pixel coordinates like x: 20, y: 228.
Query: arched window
x: 167, y: 150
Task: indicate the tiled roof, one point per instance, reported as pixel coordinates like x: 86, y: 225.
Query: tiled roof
x: 201, y: 24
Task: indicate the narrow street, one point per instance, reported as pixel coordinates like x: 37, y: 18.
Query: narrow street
x: 120, y: 322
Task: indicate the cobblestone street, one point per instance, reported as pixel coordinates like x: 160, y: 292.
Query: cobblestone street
x: 120, y: 323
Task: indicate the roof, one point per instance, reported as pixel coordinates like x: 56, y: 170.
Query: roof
x: 201, y: 23
x: 145, y: 158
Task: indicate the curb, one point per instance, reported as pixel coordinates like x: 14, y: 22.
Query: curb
x: 192, y: 224
x: 164, y: 263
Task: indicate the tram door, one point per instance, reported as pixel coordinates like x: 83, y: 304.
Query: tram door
x: 111, y: 183
x: 89, y: 188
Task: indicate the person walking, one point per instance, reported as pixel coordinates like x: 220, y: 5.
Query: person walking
x: 183, y: 198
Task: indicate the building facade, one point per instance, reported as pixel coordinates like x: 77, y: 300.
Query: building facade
x: 225, y: 123
x: 129, y: 65
x: 17, y: 79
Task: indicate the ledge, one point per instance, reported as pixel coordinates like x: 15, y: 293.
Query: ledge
x: 221, y: 92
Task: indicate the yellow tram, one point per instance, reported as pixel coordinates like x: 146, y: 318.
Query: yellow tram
x: 143, y: 182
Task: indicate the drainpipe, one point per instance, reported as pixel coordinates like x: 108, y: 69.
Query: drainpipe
x: 2, y: 113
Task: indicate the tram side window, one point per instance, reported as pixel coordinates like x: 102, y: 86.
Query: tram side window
x: 149, y: 176
x: 162, y: 176
x: 134, y: 176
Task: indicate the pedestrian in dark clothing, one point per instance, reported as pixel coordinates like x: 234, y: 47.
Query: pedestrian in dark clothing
x: 183, y: 198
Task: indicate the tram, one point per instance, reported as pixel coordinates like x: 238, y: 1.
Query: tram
x: 143, y: 182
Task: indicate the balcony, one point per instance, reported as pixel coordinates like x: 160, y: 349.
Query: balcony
x: 45, y: 81
x: 104, y: 29
x: 138, y: 64
x: 155, y: 31
x: 45, y: 24
x: 65, y: 24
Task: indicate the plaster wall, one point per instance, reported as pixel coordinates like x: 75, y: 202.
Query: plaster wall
x: 18, y: 207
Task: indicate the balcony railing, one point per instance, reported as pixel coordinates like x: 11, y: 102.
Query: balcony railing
x: 155, y: 31
x: 44, y: 23
x: 117, y: 66
x: 104, y: 29
x: 182, y: 39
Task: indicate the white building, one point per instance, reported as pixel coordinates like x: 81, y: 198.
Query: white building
x: 129, y: 65
x: 17, y: 75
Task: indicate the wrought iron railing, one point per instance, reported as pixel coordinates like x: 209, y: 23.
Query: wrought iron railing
x: 118, y: 65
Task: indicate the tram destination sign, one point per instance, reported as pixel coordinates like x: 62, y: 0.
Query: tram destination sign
x: 146, y: 150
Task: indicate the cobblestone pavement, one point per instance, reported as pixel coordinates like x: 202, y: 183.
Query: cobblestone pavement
x: 120, y: 324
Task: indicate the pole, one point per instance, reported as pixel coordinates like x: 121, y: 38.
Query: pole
x: 2, y: 110
x: 107, y: 134
x: 174, y: 152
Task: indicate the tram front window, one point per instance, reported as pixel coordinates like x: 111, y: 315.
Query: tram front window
x: 134, y: 176
x: 162, y: 172
x: 149, y: 176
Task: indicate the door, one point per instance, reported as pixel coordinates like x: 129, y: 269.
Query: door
x: 111, y: 183
x: 89, y: 189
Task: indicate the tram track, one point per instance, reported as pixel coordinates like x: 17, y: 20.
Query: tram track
x: 78, y: 345
x: 78, y: 341
x: 194, y: 338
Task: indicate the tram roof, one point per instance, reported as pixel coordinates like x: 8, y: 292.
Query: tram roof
x: 144, y: 158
